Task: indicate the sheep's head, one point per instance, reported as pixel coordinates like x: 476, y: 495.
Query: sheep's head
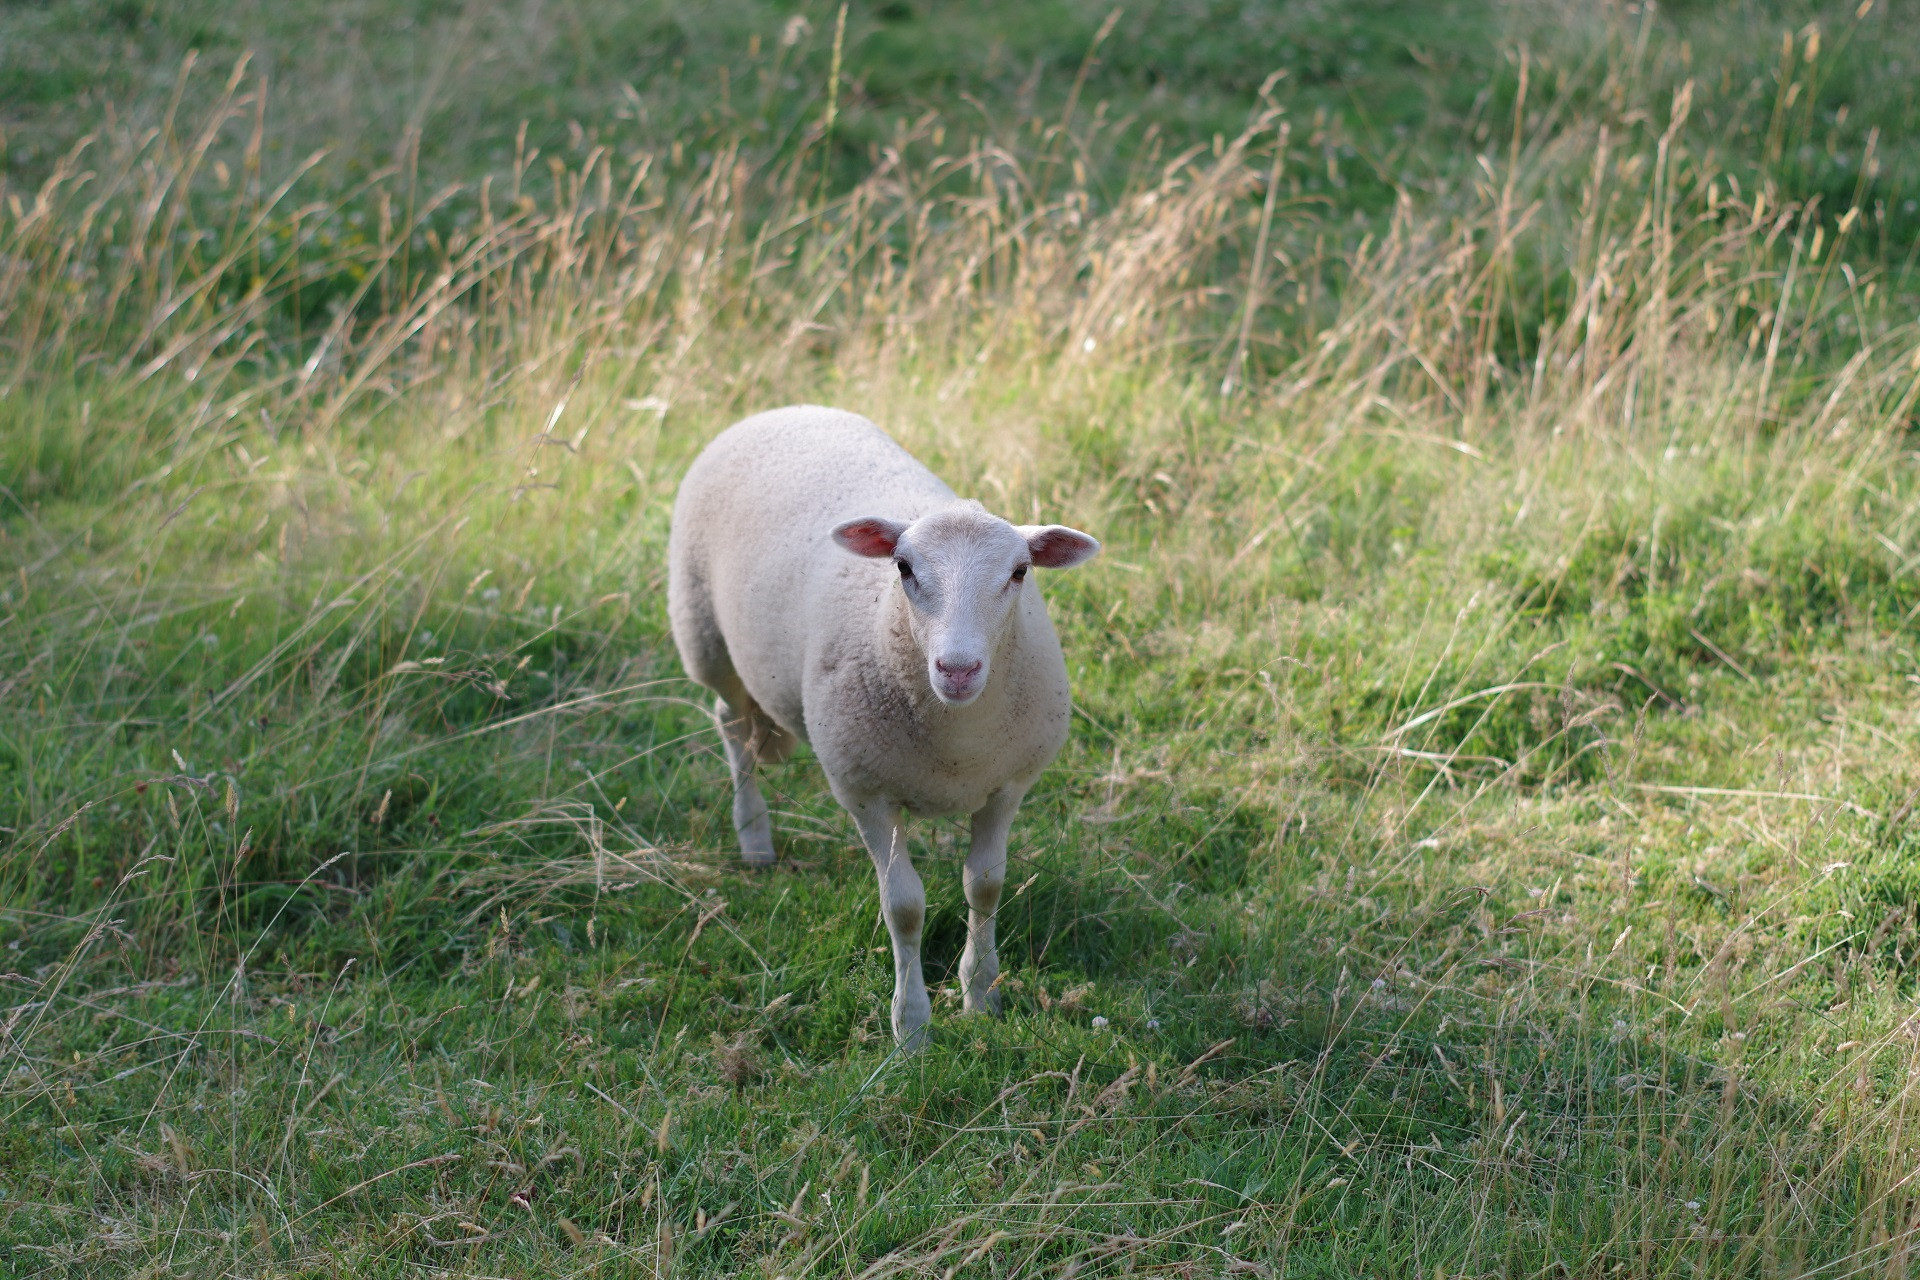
x: 962, y: 570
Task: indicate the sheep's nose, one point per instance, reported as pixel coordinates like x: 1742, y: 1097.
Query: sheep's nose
x: 957, y: 670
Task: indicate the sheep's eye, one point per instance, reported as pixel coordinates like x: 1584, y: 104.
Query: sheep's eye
x: 1020, y: 573
x: 906, y: 570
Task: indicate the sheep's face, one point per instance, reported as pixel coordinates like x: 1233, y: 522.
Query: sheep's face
x: 962, y: 571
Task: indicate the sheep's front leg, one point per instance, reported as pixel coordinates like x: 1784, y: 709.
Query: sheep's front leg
x: 739, y: 731
x: 903, y: 905
x: 985, y: 873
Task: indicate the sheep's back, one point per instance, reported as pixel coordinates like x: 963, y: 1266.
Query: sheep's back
x: 751, y: 549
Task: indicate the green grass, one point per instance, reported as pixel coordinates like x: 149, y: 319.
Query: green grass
x: 1486, y: 844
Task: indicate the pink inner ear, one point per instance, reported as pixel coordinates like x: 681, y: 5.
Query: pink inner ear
x: 872, y: 536
x: 1058, y: 547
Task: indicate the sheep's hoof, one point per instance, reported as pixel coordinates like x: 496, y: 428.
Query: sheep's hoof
x: 759, y: 860
x: 988, y: 1002
x: 911, y: 1019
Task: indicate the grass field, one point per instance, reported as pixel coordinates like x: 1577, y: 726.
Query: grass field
x: 1487, y: 845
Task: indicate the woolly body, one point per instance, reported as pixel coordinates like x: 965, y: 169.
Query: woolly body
x: 819, y: 639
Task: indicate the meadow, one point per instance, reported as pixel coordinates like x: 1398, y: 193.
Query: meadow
x: 1487, y: 843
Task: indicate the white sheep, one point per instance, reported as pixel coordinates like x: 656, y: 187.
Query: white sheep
x: 922, y: 667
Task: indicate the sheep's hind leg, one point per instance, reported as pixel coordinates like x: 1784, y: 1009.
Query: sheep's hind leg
x: 745, y: 731
x: 903, y: 906
x: 983, y: 877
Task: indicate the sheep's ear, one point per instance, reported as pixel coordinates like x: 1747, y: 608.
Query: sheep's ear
x: 1054, y: 546
x: 870, y: 536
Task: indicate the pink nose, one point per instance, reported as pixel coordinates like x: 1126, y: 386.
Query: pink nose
x: 959, y: 674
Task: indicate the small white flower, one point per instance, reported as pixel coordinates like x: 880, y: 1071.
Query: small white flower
x: 1099, y: 1022
x: 1379, y: 984
x: 1693, y: 1204
x: 1153, y: 1024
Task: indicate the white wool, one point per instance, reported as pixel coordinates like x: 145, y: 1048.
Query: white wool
x: 940, y: 690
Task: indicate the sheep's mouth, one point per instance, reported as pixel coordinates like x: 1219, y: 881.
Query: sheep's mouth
x: 958, y: 691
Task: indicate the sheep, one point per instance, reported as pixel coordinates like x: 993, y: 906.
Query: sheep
x: 830, y: 589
